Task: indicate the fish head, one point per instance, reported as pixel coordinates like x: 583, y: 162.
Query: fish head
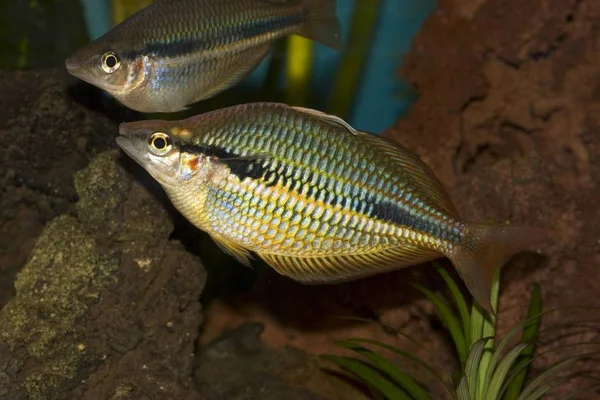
x: 108, y: 64
x: 160, y: 147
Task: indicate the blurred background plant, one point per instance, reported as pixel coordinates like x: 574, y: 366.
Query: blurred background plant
x: 360, y: 83
x: 491, y: 368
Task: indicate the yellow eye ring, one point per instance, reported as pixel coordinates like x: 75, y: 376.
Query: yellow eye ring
x: 160, y: 143
x: 110, y: 62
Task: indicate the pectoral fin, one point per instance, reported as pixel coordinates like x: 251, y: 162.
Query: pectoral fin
x: 241, y: 254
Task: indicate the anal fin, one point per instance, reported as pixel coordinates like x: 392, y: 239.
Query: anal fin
x: 342, y: 268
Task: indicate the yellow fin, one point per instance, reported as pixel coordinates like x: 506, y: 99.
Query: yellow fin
x: 327, y: 117
x: 422, y: 177
x: 241, y: 254
x: 342, y: 268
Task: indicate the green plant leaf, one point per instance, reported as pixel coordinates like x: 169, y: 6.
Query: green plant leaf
x: 498, y: 352
x: 471, y: 374
x: 369, y: 375
x: 539, y: 392
x: 400, y: 377
x: 459, y: 300
x: 462, y: 391
x: 499, y: 375
x: 449, y: 319
x: 542, y: 379
x: 488, y: 330
x: 409, y: 356
x: 525, y: 362
x: 477, y: 319
x: 529, y: 335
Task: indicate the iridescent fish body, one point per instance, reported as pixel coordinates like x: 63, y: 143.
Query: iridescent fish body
x: 176, y: 52
x: 316, y: 199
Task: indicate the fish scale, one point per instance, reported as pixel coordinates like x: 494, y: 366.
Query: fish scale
x: 317, y: 200
x: 284, y: 132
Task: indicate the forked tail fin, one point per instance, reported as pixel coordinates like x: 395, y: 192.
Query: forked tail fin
x: 322, y: 24
x: 485, y: 249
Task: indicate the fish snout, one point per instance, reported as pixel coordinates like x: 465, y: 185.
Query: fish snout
x: 123, y: 128
x: 72, y: 65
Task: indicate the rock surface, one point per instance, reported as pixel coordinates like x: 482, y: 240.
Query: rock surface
x: 239, y: 366
x: 106, y: 306
x: 46, y: 136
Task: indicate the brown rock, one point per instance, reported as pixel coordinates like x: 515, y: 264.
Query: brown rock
x: 101, y: 312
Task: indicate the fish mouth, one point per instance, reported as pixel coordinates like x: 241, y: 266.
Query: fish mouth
x: 72, y: 65
x: 127, y: 146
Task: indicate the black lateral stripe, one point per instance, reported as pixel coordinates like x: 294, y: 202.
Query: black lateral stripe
x: 381, y: 210
x: 235, y: 33
x: 386, y: 211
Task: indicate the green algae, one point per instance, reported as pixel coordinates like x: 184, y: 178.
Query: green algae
x: 84, y: 279
x: 65, y: 274
x: 104, y: 188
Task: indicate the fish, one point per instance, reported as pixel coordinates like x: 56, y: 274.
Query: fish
x: 317, y: 200
x: 174, y: 53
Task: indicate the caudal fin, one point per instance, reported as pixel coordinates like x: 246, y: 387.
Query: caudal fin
x: 322, y: 24
x: 485, y: 249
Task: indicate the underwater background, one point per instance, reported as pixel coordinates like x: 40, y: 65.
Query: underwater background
x: 107, y: 292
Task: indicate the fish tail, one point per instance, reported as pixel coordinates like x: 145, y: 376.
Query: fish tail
x: 485, y: 249
x: 322, y: 24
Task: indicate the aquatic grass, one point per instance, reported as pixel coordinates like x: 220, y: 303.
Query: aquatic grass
x: 122, y: 9
x: 362, y: 28
x: 491, y: 368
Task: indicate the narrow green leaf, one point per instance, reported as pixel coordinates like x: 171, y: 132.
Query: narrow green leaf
x: 529, y: 335
x: 539, y: 392
x: 493, y: 391
x: 409, y: 356
x: 462, y: 391
x: 521, y: 365
x: 496, y: 356
x: 449, y: 319
x: 489, y: 330
x: 471, y: 374
x: 459, y: 300
x: 541, y: 379
x: 370, y: 375
x: 477, y: 319
x: 400, y: 377
x: 347, y: 78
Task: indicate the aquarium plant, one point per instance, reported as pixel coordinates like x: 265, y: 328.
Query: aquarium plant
x: 491, y: 369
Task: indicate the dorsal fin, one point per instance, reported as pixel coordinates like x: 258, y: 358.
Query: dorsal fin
x: 327, y: 117
x: 421, y: 176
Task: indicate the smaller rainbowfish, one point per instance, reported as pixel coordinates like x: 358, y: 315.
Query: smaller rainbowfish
x: 177, y: 52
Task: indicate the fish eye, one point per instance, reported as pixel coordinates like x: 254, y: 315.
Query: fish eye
x: 110, y: 62
x: 160, y: 143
